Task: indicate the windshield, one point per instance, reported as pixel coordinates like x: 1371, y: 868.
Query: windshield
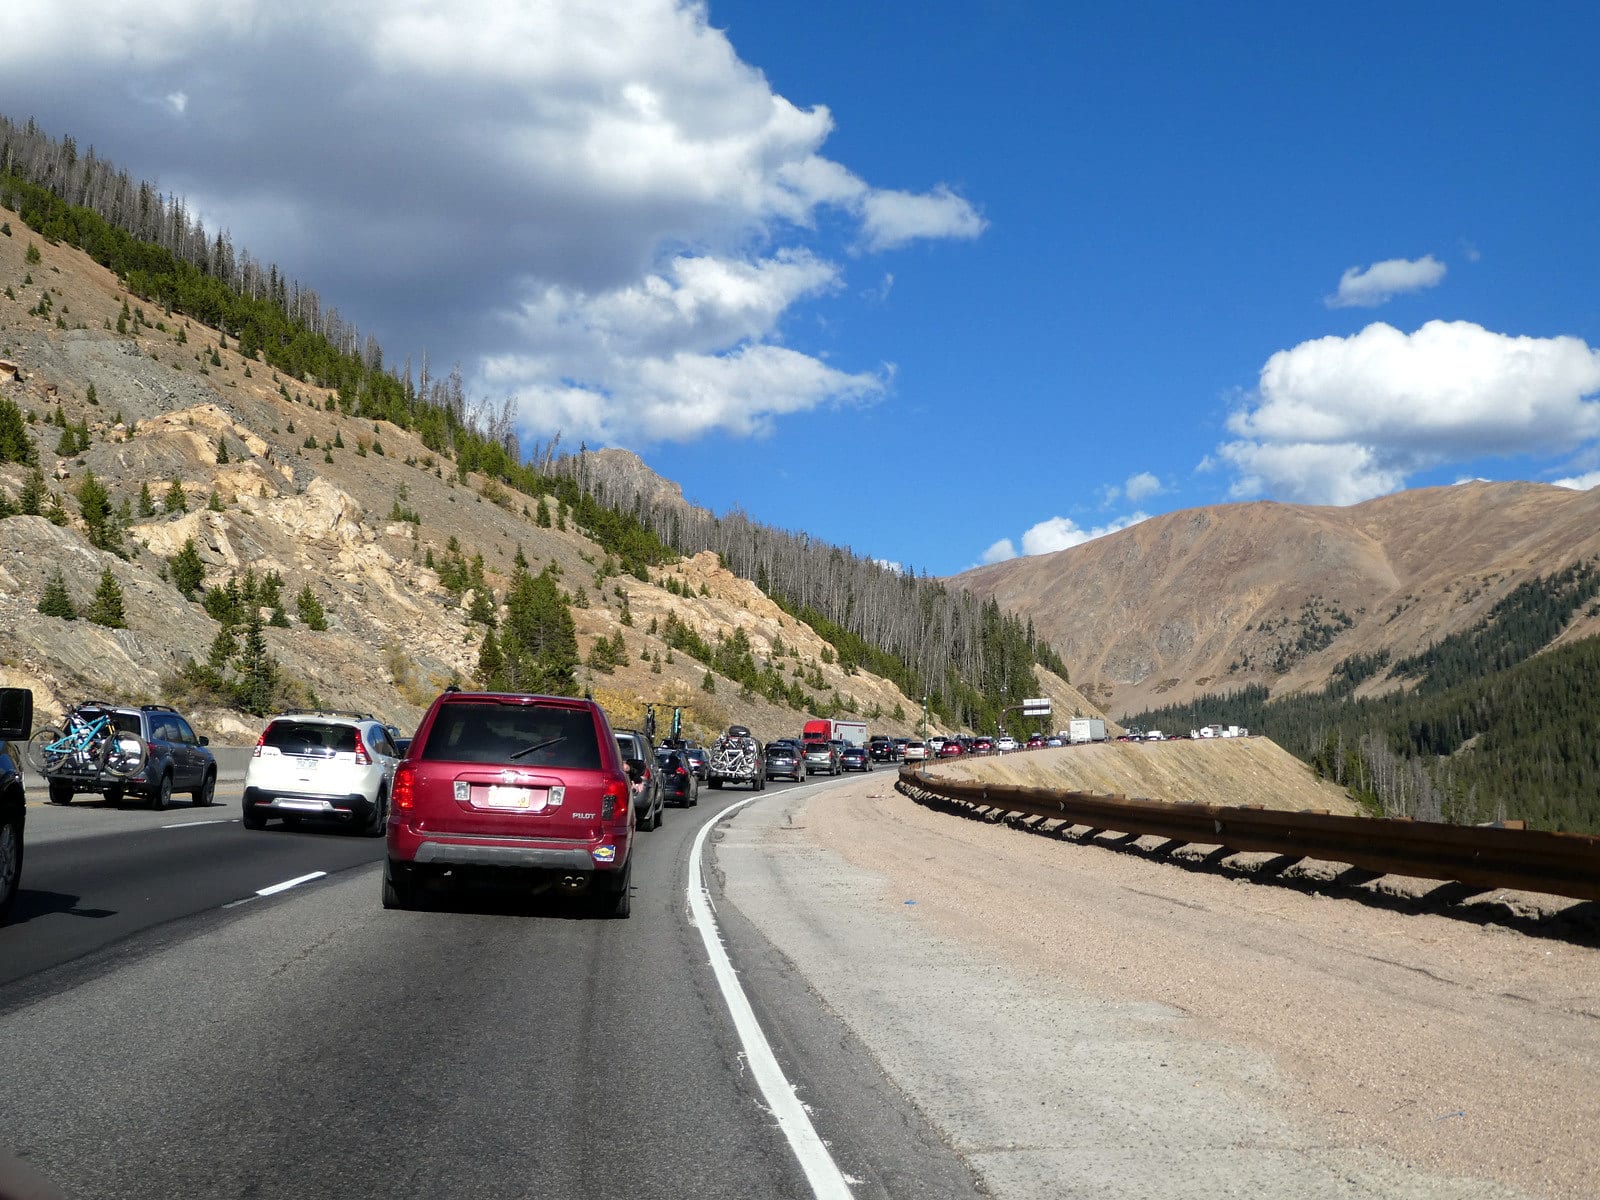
x: 530, y: 734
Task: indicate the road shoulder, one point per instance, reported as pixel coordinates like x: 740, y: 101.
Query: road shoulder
x: 1044, y: 1086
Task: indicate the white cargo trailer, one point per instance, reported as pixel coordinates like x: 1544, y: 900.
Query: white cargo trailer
x: 1086, y: 729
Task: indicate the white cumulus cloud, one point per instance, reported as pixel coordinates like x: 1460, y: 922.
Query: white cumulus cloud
x: 999, y: 551
x: 600, y: 207
x: 1337, y: 420
x: 1580, y: 483
x: 1057, y: 533
x: 1368, y: 287
x: 1141, y: 487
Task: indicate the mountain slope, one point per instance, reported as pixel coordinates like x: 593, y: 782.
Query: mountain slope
x: 361, y: 511
x: 1213, y: 599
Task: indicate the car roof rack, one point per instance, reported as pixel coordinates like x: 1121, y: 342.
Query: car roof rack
x: 157, y: 708
x: 329, y: 712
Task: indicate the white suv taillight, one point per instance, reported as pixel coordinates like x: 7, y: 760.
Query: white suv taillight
x: 363, y: 759
x: 260, y: 741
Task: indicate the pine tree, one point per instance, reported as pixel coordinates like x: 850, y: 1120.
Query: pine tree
x: 175, y: 501
x: 481, y: 610
x: 15, y: 444
x: 491, y: 664
x: 222, y: 450
x: 258, y: 672
x: 309, y: 609
x: 56, y: 601
x: 107, y: 608
x: 538, y: 639
x: 187, y: 571
x: 55, y: 512
x: 147, y: 502
x: 541, y: 514
x: 708, y: 684
x: 213, y: 502
x: 32, y: 497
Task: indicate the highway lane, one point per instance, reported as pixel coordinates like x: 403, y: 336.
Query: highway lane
x: 311, y: 1044
x: 94, y: 875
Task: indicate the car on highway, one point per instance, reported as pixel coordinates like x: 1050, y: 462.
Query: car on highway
x: 1053, y: 741
x: 16, y: 725
x: 982, y: 745
x: 855, y: 758
x: 524, y: 791
x: 324, y: 766
x: 176, y: 758
x: 915, y: 751
x: 678, y: 782
x: 784, y: 762
x: 1005, y: 744
x: 699, y: 760
x: 882, y: 748
x: 822, y: 758
x: 950, y: 748
x: 1036, y: 742
x: 647, y: 802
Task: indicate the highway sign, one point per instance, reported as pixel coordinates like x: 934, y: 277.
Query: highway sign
x: 1036, y: 708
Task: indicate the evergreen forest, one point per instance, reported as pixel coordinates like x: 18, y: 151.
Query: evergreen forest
x: 1484, y: 725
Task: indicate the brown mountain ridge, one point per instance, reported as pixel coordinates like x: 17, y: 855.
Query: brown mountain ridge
x: 1210, y: 599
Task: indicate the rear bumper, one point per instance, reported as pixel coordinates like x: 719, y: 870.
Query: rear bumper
x: 435, y: 852
x: 355, y: 807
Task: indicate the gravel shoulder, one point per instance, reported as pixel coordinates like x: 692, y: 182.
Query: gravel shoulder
x: 1079, y: 1021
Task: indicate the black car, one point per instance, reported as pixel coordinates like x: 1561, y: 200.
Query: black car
x: 854, y: 758
x: 882, y: 748
x: 647, y: 803
x: 176, y: 758
x: 699, y: 760
x: 16, y: 722
x: 678, y: 782
x: 785, y: 762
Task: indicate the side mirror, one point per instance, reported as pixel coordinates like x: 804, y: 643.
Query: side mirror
x: 16, y: 714
x: 636, y: 769
x: 204, y: 740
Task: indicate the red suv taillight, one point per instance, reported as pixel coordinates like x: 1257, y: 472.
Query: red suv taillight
x: 404, y: 792
x: 363, y: 759
x: 614, y: 800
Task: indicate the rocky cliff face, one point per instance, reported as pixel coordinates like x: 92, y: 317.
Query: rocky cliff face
x: 350, y: 507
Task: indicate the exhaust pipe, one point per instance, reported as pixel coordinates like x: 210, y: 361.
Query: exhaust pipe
x: 573, y: 884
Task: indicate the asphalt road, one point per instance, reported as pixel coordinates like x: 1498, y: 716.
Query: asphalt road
x: 169, y: 1032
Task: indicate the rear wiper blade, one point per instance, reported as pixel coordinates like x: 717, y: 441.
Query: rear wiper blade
x: 536, y: 747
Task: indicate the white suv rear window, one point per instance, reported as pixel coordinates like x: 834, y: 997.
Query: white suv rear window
x: 310, y: 737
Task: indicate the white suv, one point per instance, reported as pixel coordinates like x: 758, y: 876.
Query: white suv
x: 336, y: 766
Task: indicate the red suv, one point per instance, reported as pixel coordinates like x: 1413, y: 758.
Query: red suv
x: 523, y: 790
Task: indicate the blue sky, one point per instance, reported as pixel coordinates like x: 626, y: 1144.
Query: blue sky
x: 937, y: 281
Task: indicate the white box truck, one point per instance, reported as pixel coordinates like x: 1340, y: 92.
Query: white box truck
x: 1085, y: 729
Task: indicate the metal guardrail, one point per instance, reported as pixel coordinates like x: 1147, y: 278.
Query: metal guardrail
x: 1562, y: 864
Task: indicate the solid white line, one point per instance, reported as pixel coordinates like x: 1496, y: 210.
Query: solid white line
x: 192, y: 824
x: 827, y: 1181
x: 289, y: 883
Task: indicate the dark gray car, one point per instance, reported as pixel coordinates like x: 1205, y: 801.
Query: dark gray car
x: 177, y: 759
x: 647, y: 801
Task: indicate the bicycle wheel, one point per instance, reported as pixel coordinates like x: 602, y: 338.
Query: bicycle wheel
x: 45, y: 752
x: 122, y: 755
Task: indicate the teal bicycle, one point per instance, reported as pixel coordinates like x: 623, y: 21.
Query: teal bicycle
x: 90, y: 745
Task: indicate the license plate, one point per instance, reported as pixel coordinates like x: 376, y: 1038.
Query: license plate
x: 513, y: 797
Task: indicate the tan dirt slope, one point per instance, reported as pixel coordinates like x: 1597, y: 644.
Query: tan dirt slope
x: 1224, y: 771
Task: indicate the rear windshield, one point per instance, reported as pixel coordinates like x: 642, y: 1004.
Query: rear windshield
x: 310, y: 737
x: 121, y: 722
x: 532, y: 735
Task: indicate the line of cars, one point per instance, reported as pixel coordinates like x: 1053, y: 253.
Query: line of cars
x: 798, y: 759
